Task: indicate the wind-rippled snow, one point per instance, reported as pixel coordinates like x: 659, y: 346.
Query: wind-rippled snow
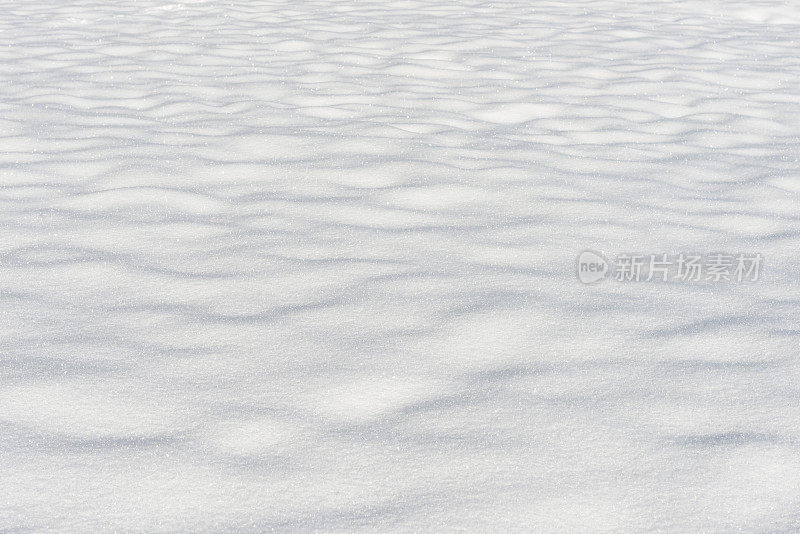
x: 310, y: 265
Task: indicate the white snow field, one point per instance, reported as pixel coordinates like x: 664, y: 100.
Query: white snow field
x: 310, y: 265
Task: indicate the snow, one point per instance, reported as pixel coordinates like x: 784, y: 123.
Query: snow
x: 310, y: 266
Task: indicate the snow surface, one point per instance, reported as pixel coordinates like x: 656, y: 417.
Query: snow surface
x: 310, y: 265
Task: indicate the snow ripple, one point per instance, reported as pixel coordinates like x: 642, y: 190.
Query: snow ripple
x: 310, y: 265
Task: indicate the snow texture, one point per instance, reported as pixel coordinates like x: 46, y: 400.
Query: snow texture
x: 310, y: 265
